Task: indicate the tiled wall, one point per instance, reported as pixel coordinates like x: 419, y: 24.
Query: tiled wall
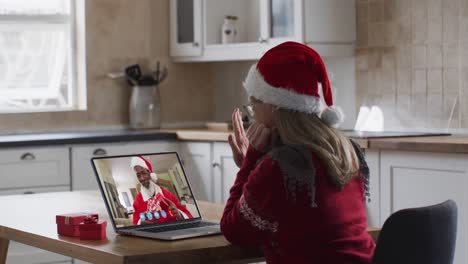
x: 412, y: 61
x: 120, y: 33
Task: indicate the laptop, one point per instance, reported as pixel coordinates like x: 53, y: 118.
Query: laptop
x: 140, y: 203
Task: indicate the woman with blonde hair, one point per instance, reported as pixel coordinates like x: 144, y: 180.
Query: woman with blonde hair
x: 300, y: 191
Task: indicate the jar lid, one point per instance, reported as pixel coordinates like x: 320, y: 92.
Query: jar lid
x: 230, y: 17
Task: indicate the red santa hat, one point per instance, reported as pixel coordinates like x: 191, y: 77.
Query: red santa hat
x: 287, y: 76
x: 142, y: 162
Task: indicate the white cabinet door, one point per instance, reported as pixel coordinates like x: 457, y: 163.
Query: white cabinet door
x: 83, y: 177
x: 185, y: 27
x: 373, y: 206
x: 224, y: 171
x: 20, y: 254
x: 259, y: 25
x: 34, y: 167
x: 196, y: 158
x: 282, y: 20
x: 414, y: 179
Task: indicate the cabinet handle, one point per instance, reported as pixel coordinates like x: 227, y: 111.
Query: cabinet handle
x: 28, y: 156
x: 28, y: 192
x: 99, y: 152
x: 216, y: 164
x: 262, y: 40
x: 196, y: 44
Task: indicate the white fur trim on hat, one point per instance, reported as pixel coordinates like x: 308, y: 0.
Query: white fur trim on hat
x: 137, y: 161
x: 257, y: 87
x: 332, y: 116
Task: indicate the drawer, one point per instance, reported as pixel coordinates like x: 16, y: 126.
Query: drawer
x: 33, y: 190
x: 34, y: 167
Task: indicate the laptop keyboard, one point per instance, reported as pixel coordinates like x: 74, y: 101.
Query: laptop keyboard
x: 159, y: 229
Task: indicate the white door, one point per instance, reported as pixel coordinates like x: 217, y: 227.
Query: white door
x: 186, y: 27
x: 83, y: 177
x: 224, y: 171
x: 196, y: 158
x: 373, y: 206
x: 414, y: 179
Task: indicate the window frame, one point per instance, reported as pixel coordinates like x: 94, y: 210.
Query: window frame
x: 74, y: 26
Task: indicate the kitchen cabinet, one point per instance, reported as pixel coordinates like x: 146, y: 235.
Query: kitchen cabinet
x: 414, y: 179
x: 210, y: 168
x: 373, y: 204
x: 19, y: 254
x: 23, y: 168
x: 34, y: 170
x: 185, y: 27
x: 261, y: 24
x: 196, y: 158
x: 83, y: 177
x: 224, y: 171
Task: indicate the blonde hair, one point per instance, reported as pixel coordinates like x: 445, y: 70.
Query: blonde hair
x: 330, y: 146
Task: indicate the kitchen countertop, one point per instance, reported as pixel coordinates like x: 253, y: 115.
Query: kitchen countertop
x: 47, y: 139
x: 443, y: 144
x: 222, y: 135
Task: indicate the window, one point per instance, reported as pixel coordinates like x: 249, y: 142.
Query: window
x: 38, y: 56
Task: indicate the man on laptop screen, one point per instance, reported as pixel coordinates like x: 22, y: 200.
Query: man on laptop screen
x: 161, y: 206
x: 159, y: 194
x: 154, y: 204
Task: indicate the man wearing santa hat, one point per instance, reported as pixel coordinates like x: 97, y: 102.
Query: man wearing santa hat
x: 154, y: 204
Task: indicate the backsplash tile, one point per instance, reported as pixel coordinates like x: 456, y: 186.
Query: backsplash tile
x: 434, y: 56
x: 434, y: 82
x: 426, y: 44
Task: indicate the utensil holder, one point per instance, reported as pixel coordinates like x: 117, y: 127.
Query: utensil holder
x: 145, y: 107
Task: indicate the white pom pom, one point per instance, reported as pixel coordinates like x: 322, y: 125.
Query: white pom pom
x: 154, y: 178
x: 332, y: 116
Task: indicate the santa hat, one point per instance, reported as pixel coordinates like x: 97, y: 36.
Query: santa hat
x: 287, y: 76
x: 142, y: 162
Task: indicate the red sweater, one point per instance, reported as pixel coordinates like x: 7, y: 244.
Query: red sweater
x: 259, y: 212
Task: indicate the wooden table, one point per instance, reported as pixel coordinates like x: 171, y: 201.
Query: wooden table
x: 30, y: 219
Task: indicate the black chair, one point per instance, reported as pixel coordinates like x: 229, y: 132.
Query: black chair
x: 424, y: 235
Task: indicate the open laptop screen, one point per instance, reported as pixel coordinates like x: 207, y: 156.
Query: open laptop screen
x: 145, y: 189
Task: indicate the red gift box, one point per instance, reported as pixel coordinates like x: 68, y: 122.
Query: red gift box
x: 68, y: 224
x: 93, y: 231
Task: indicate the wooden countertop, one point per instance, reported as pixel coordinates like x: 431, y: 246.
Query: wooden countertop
x: 205, y: 134
x: 201, y: 134
x: 443, y: 144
